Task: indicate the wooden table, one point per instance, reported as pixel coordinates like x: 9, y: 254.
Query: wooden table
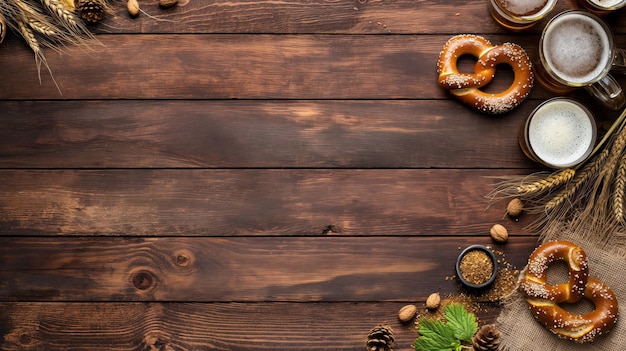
x: 248, y: 175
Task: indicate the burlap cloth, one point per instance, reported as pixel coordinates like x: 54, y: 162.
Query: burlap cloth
x: 521, y: 331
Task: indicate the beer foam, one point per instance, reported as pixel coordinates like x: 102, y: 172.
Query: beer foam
x: 523, y: 7
x: 576, y: 48
x: 561, y: 133
x: 606, y: 4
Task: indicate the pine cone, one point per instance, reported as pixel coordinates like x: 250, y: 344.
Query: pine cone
x: 91, y: 10
x: 487, y: 338
x: 380, y: 338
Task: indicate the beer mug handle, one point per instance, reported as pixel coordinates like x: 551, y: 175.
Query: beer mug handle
x: 608, y: 92
x: 619, y: 63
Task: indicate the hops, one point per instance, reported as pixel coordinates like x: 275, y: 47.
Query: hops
x: 380, y: 338
x: 91, y: 10
x: 487, y: 339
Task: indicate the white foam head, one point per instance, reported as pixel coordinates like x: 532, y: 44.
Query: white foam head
x: 561, y: 133
x: 608, y: 4
x: 524, y: 7
x: 577, y: 48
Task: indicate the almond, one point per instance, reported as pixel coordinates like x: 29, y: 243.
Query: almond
x: 433, y: 301
x: 133, y: 8
x: 407, y: 313
x: 515, y: 207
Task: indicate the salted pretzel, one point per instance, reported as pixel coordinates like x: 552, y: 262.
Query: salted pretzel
x: 466, y: 86
x: 543, y: 298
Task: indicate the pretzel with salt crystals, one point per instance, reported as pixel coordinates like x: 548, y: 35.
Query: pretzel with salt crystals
x: 544, y: 298
x: 466, y: 86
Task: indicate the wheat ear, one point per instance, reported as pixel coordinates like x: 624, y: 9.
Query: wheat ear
x: 31, y: 40
x: 66, y: 17
x: 550, y: 182
x: 618, y: 192
x: 590, y: 169
x: 3, y: 27
x: 616, y: 151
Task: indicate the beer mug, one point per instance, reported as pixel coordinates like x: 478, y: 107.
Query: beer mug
x: 599, y: 7
x: 559, y: 133
x: 517, y: 15
x: 576, y: 50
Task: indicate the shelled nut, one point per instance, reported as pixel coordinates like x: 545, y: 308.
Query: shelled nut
x: 433, y: 301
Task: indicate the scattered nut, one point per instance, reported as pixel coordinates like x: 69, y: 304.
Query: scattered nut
x: 433, y: 301
x: 499, y: 233
x: 407, y: 313
x: 133, y: 8
x: 515, y: 207
x: 167, y: 3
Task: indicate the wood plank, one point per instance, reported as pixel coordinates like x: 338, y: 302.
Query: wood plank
x: 223, y: 66
x: 250, y: 202
x: 236, y: 269
x: 200, y: 326
x: 270, y: 134
x: 260, y: 134
x: 303, y: 16
x: 237, y: 67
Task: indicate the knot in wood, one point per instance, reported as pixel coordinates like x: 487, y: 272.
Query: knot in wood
x: 182, y: 260
x: 143, y: 280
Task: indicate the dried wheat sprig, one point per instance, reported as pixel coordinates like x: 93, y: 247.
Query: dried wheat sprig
x: 66, y: 17
x: 3, y: 27
x: 618, y: 193
x: 55, y: 34
x: 582, y: 176
x: 550, y: 182
x: 616, y: 151
x: 42, y: 28
x: 619, y: 121
x: 36, y: 20
x: 598, y: 211
x: 31, y: 40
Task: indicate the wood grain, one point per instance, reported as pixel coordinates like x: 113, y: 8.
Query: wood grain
x: 260, y: 134
x: 200, y: 326
x: 237, y: 175
x: 253, y: 134
x: 239, y: 66
x: 223, y: 66
x: 236, y: 269
x: 250, y: 202
x: 329, y: 17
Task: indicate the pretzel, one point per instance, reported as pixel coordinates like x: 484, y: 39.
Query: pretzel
x: 466, y: 86
x: 543, y: 298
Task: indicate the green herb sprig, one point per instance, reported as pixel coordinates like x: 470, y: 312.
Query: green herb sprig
x: 449, y: 335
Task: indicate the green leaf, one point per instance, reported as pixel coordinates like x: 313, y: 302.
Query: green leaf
x: 462, y: 322
x: 436, y: 336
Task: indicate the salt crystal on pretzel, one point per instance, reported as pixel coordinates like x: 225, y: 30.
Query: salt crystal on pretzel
x: 466, y: 86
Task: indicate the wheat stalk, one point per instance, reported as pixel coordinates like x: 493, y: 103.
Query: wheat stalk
x: 3, y: 27
x: 31, y: 40
x: 618, y: 193
x: 550, y: 182
x: 42, y: 28
x: 581, y: 178
x: 57, y: 8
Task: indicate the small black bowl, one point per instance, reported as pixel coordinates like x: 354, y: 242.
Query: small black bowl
x: 489, y: 253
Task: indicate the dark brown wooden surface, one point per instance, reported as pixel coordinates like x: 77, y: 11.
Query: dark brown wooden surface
x: 240, y: 175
